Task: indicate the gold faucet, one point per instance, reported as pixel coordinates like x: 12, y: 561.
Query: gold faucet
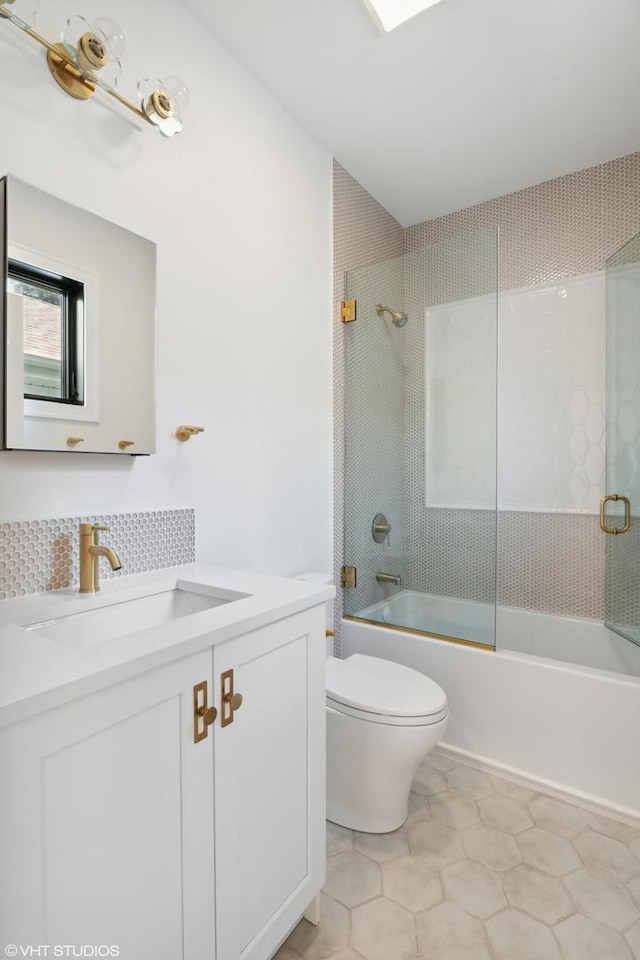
x: 90, y: 553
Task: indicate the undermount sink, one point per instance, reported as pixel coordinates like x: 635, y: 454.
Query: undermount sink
x: 119, y: 617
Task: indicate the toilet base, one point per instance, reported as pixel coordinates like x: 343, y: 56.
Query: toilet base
x: 370, y: 769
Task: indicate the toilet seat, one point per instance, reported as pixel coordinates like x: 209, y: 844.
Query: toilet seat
x: 382, y: 691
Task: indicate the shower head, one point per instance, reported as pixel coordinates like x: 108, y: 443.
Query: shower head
x: 399, y: 318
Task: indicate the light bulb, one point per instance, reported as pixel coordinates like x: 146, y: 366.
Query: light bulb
x: 164, y: 103
x: 95, y: 46
x: 110, y: 33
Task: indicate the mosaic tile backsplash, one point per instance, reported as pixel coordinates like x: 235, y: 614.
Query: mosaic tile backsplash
x: 550, y: 561
x: 41, y: 555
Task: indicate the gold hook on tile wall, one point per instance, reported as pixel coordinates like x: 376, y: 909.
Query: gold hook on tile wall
x: 185, y: 432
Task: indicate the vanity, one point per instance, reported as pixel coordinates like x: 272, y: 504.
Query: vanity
x: 162, y: 758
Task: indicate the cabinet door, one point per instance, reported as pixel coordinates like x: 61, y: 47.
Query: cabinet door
x: 270, y: 785
x: 106, y: 832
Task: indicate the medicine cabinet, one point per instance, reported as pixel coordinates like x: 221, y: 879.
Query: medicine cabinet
x: 78, y: 328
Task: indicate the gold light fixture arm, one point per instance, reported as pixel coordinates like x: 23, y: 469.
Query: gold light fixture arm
x: 626, y: 526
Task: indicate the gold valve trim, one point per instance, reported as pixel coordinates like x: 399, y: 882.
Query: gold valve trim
x: 185, y: 432
x: 626, y: 526
x: 203, y: 715
x: 229, y: 701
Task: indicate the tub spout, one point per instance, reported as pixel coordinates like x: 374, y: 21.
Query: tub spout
x: 389, y: 578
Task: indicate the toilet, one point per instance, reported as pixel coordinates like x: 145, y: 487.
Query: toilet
x: 382, y: 720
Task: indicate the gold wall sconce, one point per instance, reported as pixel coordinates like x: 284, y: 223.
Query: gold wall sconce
x: 89, y: 57
x: 185, y: 432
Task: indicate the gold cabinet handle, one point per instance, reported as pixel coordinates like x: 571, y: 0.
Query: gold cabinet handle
x: 229, y: 699
x: 627, y: 514
x: 203, y: 715
x: 74, y: 441
x: 208, y: 714
x: 123, y: 444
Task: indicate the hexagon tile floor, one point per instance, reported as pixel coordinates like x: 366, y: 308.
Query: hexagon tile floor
x: 482, y: 870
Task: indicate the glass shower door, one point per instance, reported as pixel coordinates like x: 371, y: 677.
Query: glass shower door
x: 620, y: 508
x: 374, y: 385
x: 420, y: 440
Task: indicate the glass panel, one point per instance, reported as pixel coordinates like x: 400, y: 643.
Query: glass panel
x: 420, y: 434
x: 374, y: 433
x: 622, y: 551
x: 43, y: 312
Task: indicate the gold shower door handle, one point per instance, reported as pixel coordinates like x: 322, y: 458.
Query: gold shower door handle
x: 627, y: 514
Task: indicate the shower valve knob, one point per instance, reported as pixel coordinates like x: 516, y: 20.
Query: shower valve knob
x: 380, y: 528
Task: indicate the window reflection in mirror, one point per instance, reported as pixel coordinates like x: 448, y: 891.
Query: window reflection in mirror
x: 51, y: 307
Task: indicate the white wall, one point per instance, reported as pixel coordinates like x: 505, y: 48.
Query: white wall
x: 239, y: 205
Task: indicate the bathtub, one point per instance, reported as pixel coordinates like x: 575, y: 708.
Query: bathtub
x: 528, y: 709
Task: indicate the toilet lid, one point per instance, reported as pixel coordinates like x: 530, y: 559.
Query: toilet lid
x: 383, y: 687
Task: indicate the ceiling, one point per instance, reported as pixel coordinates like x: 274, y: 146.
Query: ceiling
x: 468, y: 100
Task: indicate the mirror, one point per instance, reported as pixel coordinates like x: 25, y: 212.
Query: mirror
x: 78, y: 324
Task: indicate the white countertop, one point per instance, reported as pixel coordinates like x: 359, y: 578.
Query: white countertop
x: 38, y: 672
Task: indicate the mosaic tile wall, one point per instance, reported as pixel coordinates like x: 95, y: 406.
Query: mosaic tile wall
x: 560, y: 228
x: 547, y: 561
x: 41, y: 555
x: 552, y: 562
x: 363, y: 233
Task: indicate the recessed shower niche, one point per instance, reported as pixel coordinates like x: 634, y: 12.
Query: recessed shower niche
x: 78, y: 328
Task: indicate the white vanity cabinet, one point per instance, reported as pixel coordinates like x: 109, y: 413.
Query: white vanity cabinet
x: 270, y: 785
x: 117, y: 829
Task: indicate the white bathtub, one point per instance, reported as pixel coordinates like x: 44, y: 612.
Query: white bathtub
x: 572, y: 727
x: 585, y: 642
